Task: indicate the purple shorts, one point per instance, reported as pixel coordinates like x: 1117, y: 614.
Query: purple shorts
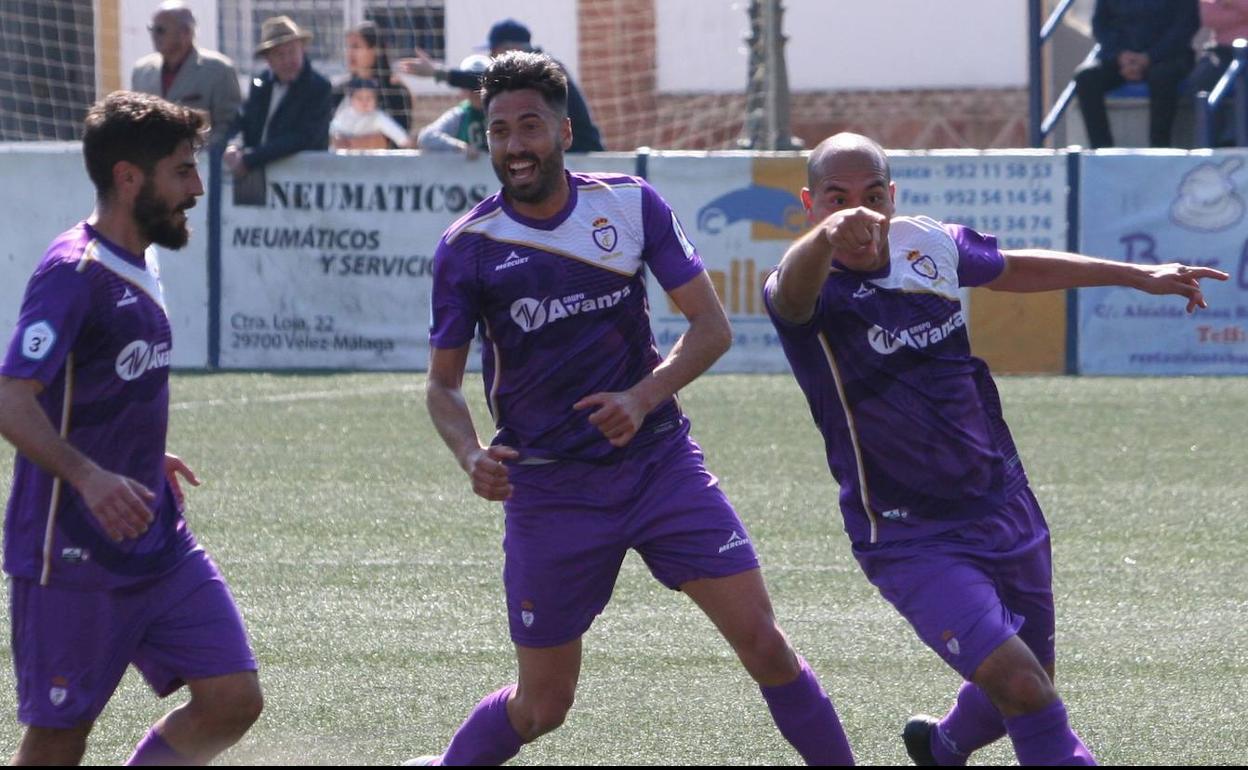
x: 968, y: 590
x: 71, y: 647
x: 569, y: 526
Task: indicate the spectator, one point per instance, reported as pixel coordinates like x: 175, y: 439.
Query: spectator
x: 360, y: 125
x: 462, y: 127
x: 180, y: 72
x: 1228, y: 21
x: 367, y: 60
x: 511, y: 35
x: 1141, y: 41
x: 288, y: 107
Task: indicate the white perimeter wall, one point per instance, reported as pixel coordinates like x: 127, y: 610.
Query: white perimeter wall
x: 53, y: 195
x: 847, y: 44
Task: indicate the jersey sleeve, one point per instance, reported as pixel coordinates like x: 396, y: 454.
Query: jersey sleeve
x: 979, y: 259
x: 671, y: 257
x: 54, y: 310
x: 454, y: 306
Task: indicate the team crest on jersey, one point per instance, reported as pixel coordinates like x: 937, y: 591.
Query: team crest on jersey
x: 59, y: 690
x: 605, y: 236
x: 923, y: 264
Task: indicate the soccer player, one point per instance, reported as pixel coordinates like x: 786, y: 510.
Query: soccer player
x: 104, y: 570
x: 933, y: 494
x: 591, y: 454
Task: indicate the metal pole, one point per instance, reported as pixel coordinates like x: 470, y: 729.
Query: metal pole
x: 1240, y: 105
x: 1035, y: 65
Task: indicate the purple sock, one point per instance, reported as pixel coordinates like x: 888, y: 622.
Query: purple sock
x: 153, y: 750
x: 807, y: 719
x: 486, y: 737
x: 972, y: 723
x: 1044, y: 738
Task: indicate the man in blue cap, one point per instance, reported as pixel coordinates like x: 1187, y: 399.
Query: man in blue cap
x: 510, y: 35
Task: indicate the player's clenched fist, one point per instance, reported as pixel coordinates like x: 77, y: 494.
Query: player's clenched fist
x: 855, y: 236
x: 488, y: 473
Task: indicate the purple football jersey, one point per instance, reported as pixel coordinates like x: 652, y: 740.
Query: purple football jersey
x: 911, y: 421
x: 562, y: 307
x: 94, y: 332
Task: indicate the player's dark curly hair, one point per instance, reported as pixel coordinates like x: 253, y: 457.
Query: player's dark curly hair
x: 519, y: 70
x: 139, y: 128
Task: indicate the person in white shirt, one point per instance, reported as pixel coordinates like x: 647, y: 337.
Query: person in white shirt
x: 358, y: 118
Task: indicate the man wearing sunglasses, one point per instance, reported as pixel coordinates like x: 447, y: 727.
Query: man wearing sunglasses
x: 184, y: 74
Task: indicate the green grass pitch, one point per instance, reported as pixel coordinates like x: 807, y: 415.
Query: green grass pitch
x: 370, y: 578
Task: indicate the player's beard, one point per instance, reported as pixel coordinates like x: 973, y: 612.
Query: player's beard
x: 544, y: 184
x: 158, y: 220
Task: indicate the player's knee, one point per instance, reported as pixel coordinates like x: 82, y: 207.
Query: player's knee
x: 1023, y: 692
x: 248, y: 704
x: 767, y: 654
x: 48, y: 746
x: 543, y: 713
x: 231, y: 709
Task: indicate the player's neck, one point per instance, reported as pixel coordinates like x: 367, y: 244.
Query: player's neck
x: 118, y: 227
x: 547, y: 207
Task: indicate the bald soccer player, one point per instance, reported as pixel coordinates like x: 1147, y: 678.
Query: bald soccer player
x: 933, y: 493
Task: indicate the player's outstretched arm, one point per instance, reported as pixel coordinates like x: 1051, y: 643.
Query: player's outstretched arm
x: 1028, y: 270
x: 448, y: 409
x: 619, y: 415
x: 119, y: 503
x: 851, y: 236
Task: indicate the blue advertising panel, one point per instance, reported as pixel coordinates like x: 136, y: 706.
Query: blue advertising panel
x: 1154, y: 208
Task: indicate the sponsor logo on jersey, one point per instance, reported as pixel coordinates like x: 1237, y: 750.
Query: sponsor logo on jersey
x: 37, y: 340
x: 896, y: 514
x: 140, y: 357
x: 75, y: 555
x: 513, y: 260
x: 532, y: 314
x: 923, y: 265
x: 864, y: 291
x: 127, y: 298
x: 734, y: 541
x: 605, y: 236
x: 918, y: 336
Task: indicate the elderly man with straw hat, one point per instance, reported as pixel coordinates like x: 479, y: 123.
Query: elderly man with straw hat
x: 288, y: 106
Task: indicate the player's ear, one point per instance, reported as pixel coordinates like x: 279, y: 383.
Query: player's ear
x: 892, y: 192
x: 565, y: 134
x: 807, y: 202
x: 127, y: 176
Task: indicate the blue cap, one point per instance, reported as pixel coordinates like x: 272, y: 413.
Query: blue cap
x: 508, y: 31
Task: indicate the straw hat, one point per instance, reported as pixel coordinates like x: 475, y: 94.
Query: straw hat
x: 277, y: 30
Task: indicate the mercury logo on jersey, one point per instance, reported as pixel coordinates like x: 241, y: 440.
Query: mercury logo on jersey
x: 918, y: 336
x: 140, y: 357
x: 513, y: 260
x: 532, y: 314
